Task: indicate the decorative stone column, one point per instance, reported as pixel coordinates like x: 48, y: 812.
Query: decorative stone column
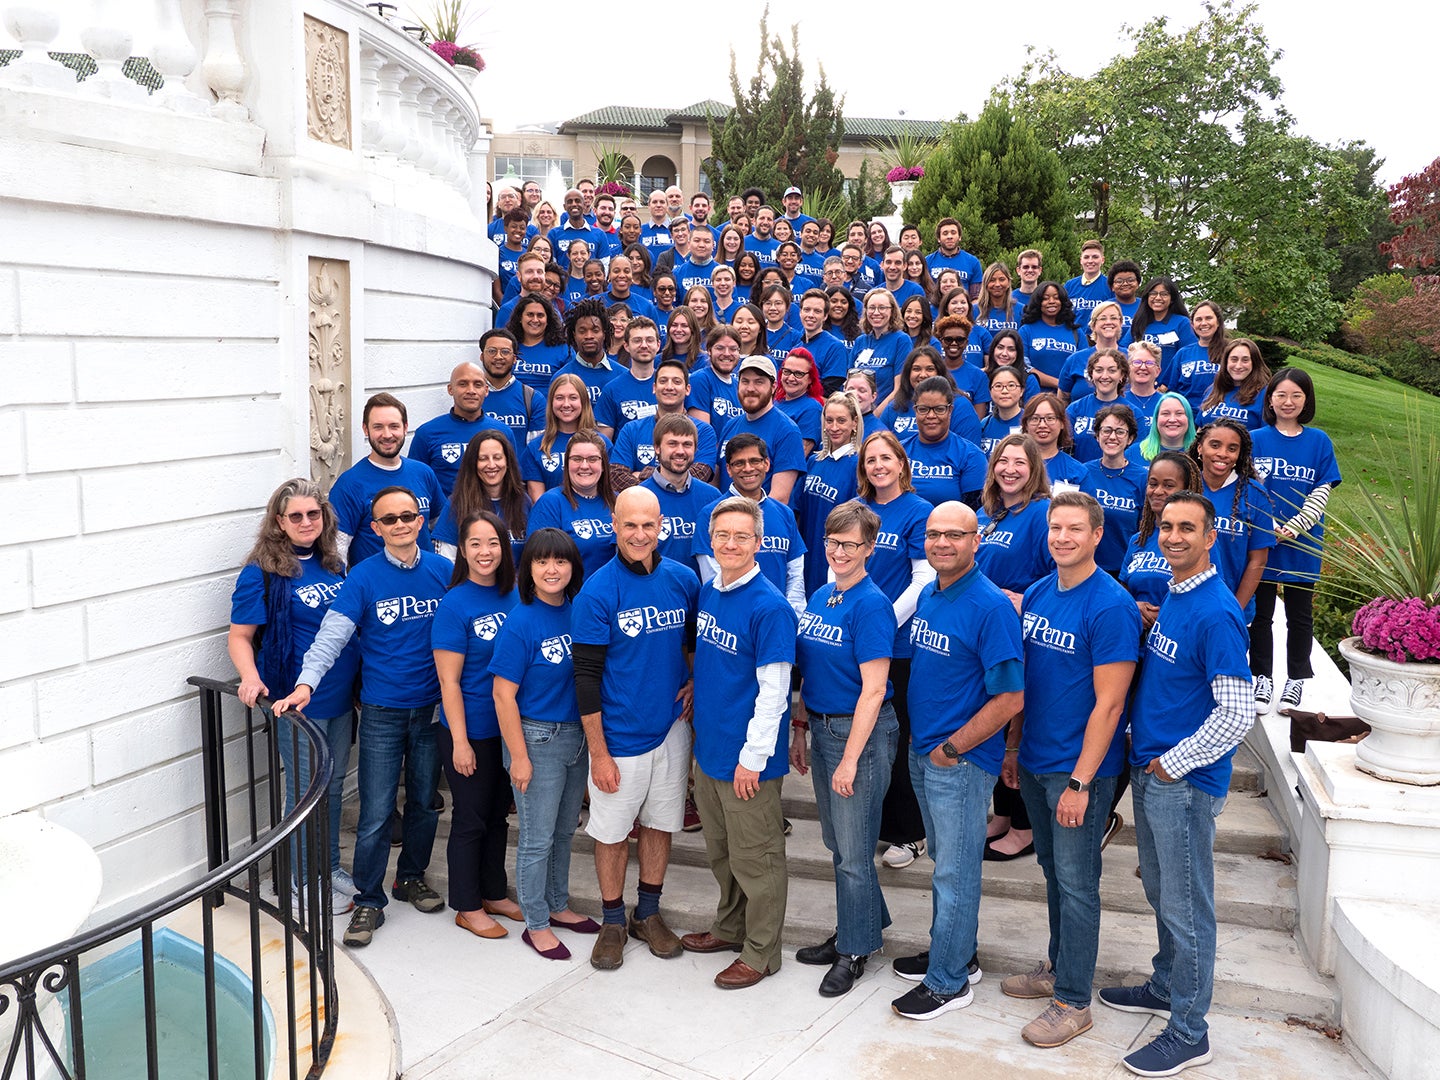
x: 329, y: 369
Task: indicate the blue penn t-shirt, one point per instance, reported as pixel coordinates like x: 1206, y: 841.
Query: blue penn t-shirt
x: 1170, y: 334
x: 828, y: 483
x: 1119, y: 493
x: 641, y: 619
x: 1144, y: 571
x: 623, y: 399
x: 967, y: 649
x: 713, y: 394
x: 780, y: 543
x: 635, y: 444
x: 1068, y: 633
x: 806, y: 413
x: 1292, y: 466
x: 537, y: 365
x: 467, y: 622
x: 1016, y: 552
x: 392, y: 609
x: 533, y: 652
x: 1084, y: 298
x: 440, y: 443
x: 736, y: 632
x: 682, y: 518
x: 595, y: 378
x: 901, y: 540
x: 1240, y: 528
x: 1048, y: 347
x: 1197, y: 635
x: 946, y: 470
x: 509, y: 406
x: 782, y: 439
x: 962, y: 262
x: 835, y: 640
x: 1191, y: 373
x: 356, y: 487
x: 589, y: 523
x: 548, y: 469
x: 309, y: 596
x: 884, y: 356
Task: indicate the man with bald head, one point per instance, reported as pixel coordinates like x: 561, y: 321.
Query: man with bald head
x: 440, y: 443
x: 633, y: 630
x: 966, y: 682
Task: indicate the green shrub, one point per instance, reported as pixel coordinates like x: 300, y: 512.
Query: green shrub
x: 1329, y: 356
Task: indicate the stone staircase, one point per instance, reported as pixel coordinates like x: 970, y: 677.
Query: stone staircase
x: 1260, y: 968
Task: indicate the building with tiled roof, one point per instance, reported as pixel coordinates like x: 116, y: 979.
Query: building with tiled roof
x: 665, y: 146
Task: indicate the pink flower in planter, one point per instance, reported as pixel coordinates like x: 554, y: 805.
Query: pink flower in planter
x: 901, y: 173
x: 1402, y: 630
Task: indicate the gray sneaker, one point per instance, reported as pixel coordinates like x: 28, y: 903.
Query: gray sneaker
x: 1057, y: 1025
x: 1039, y: 983
x: 363, y: 925
x: 416, y: 892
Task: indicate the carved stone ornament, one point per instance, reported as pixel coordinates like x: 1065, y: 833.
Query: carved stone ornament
x: 534, y: 147
x: 329, y: 369
x: 327, y: 83
x: 1401, y: 703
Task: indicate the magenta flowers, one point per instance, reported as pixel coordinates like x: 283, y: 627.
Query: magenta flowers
x: 1403, y: 630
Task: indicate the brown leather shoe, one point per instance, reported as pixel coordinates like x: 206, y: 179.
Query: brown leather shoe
x: 738, y: 976
x: 708, y: 942
x: 661, y: 939
x: 609, y: 951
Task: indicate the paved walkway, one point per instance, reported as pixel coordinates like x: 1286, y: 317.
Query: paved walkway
x: 469, y: 1008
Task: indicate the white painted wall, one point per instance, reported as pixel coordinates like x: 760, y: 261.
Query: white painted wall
x: 153, y: 392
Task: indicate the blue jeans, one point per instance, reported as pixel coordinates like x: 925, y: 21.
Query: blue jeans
x: 953, y: 802
x: 851, y: 826
x: 392, y: 739
x: 549, y: 811
x: 1178, y: 819
x: 297, y: 777
x: 1071, y: 861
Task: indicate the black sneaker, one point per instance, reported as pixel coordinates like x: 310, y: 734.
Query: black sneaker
x: 922, y: 1003
x: 363, y: 925
x: 419, y: 894
x: 820, y: 955
x: 912, y: 968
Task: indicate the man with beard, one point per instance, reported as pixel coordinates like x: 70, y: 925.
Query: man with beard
x: 761, y: 239
x: 683, y: 496
x: 587, y: 329
x: 385, y: 423
x: 756, y: 390
x: 508, y: 400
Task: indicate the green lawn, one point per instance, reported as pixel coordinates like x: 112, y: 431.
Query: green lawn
x: 1356, y: 412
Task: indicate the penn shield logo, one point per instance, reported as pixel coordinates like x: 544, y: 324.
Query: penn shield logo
x: 584, y: 528
x: 1038, y: 629
x: 637, y: 410
x: 555, y: 649
x: 487, y: 626
x: 631, y: 622
x: 551, y: 462
x: 645, y: 455
x: 1263, y: 467
x: 310, y: 595
x: 387, y: 611
x: 452, y: 452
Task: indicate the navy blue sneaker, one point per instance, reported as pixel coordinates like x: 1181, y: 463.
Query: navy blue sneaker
x: 1167, y: 1055
x: 1135, y: 999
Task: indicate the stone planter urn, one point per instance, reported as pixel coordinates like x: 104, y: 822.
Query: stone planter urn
x: 900, y: 190
x: 467, y: 75
x: 1401, y: 703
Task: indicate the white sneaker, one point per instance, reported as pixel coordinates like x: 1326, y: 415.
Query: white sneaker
x: 1264, y: 690
x: 342, y: 891
x: 899, y: 856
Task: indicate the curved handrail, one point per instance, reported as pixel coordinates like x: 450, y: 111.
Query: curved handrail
x: 221, y: 875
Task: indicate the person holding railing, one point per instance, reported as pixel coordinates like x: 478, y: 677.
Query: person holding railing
x: 288, y: 582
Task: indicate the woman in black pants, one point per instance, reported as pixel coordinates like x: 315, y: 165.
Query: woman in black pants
x: 482, y: 593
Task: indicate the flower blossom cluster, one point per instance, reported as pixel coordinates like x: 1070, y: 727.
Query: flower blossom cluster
x: 1403, y: 630
x: 457, y: 54
x: 900, y: 172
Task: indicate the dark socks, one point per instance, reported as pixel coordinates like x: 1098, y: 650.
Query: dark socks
x: 613, y: 911
x: 649, y: 901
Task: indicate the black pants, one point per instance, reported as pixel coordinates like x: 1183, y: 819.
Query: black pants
x: 1299, y: 629
x: 1008, y: 803
x: 475, y: 853
x: 900, y: 820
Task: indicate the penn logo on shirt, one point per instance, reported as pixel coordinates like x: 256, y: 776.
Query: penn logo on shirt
x: 1231, y: 526
x: 724, y: 408
x: 1164, y: 647
x: 1148, y: 562
x: 452, y: 452
x: 312, y: 596
x: 707, y: 629
x: 404, y: 609
x: 922, y: 470
x: 776, y: 545
x: 551, y: 462
x: 998, y: 538
x: 1038, y: 629
x: 649, y: 619
x: 487, y: 626
x: 589, y: 528
x: 677, y: 527
x: 1053, y: 344
x: 1281, y: 469
x: 555, y: 649
x: 1115, y: 502
x: 922, y: 637
x: 645, y: 454
x: 815, y: 628
x: 903, y: 426
x: 637, y: 410
x: 887, y: 541
x: 815, y: 485
x: 1083, y: 424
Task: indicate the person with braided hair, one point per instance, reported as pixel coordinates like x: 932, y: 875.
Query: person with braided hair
x: 1243, y: 510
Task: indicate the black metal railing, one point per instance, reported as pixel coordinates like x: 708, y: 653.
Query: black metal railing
x: 42, y: 1006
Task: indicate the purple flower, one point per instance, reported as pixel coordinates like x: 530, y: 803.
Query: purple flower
x: 1402, y: 630
x: 900, y: 173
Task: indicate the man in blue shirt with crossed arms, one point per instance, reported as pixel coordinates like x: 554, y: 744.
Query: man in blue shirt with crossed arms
x: 966, y: 682
x: 390, y: 601
x: 1191, y: 708
x: 632, y: 624
x: 1082, y: 637
x: 744, y: 650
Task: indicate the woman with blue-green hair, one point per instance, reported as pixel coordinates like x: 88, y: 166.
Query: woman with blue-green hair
x: 1173, y: 427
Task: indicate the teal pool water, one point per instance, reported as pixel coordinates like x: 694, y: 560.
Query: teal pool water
x: 112, y: 994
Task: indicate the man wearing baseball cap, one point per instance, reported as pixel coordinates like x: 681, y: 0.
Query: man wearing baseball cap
x: 755, y: 386
x: 791, y: 200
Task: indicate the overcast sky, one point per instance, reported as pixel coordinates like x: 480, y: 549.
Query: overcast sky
x: 889, y: 66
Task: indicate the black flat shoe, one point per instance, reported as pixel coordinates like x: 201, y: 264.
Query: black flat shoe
x: 991, y: 855
x: 819, y: 955
x: 842, y: 975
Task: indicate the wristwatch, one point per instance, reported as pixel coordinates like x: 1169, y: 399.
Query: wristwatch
x: 948, y: 749
x: 1078, y: 785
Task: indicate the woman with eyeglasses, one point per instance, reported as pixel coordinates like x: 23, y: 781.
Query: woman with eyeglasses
x: 584, y: 503
x: 845, y: 705
x: 1116, y: 483
x: 922, y: 364
x: 1162, y: 319
x: 799, y: 396
x: 287, y: 583
x: 1142, y: 393
x: 830, y: 479
x: 944, y: 466
x: 1044, y: 421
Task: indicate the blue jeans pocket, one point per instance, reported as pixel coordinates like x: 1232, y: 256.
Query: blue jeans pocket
x: 538, y: 732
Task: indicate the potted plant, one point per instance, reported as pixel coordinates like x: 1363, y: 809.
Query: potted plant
x: 905, y: 153
x: 1390, y: 555
x: 444, y: 25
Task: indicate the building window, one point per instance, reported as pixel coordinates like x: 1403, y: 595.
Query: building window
x: 542, y: 170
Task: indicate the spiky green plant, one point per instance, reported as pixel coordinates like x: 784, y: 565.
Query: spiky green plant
x: 447, y: 20
x: 907, y: 150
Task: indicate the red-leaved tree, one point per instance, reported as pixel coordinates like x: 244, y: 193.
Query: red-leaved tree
x: 1415, y: 207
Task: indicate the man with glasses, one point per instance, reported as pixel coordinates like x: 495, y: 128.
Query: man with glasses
x: 966, y: 683
x: 389, y: 601
x: 862, y: 273
x: 531, y: 195
x: 508, y: 400
x: 385, y: 422
x: 1082, y: 639
x: 632, y: 623
x: 1029, y: 270
x: 1124, y: 282
x: 744, y: 651
x: 441, y: 442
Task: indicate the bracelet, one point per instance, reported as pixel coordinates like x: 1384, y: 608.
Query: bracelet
x: 1012, y: 749
x: 802, y: 725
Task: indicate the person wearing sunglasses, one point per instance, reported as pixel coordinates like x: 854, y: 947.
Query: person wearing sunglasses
x: 290, y: 578
x: 389, y: 603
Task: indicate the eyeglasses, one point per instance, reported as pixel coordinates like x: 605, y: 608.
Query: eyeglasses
x: 791, y: 373
x: 588, y: 460
x: 952, y: 340
x: 1112, y: 432
x: 728, y: 537
x: 931, y: 410
x: 953, y: 535
x: 1047, y: 420
x: 295, y: 517
x: 1144, y: 362
x: 497, y: 353
x: 849, y: 547
x: 390, y: 519
x: 1125, y: 279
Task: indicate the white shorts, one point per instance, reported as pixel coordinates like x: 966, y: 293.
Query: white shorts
x: 652, y: 790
